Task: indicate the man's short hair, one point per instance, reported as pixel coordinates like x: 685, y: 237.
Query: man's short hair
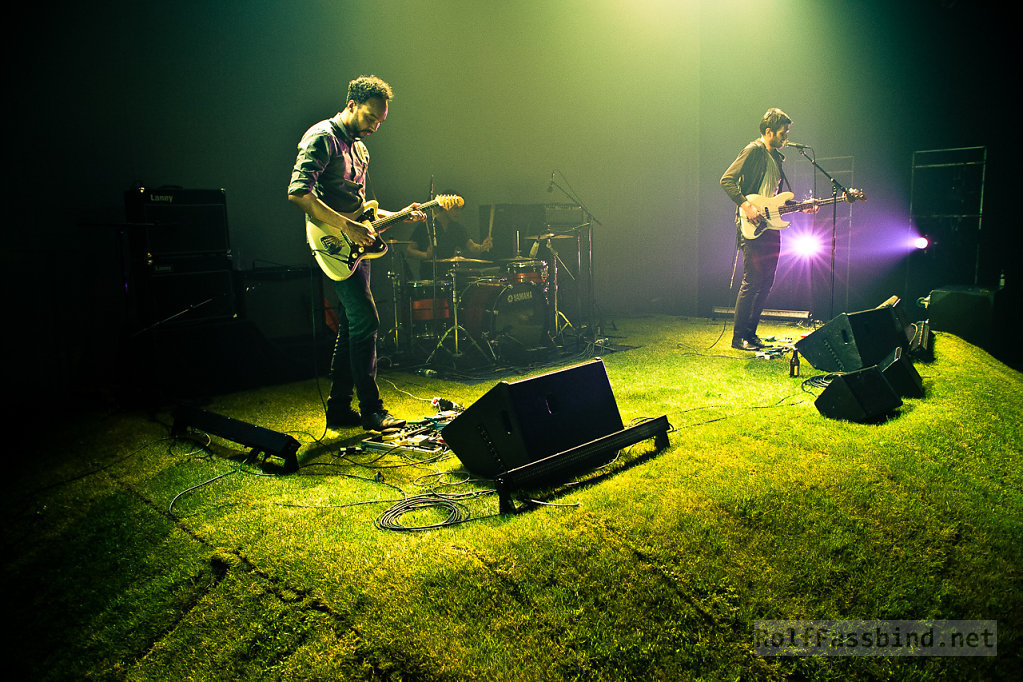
x: 774, y: 119
x: 366, y: 87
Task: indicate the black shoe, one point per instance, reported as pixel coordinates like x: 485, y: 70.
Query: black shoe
x: 381, y: 421
x: 743, y: 344
x: 343, y: 419
x: 756, y: 342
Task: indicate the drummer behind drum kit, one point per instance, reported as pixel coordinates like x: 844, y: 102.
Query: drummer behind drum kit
x: 481, y: 311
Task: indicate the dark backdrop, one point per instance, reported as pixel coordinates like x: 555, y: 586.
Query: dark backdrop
x: 635, y: 107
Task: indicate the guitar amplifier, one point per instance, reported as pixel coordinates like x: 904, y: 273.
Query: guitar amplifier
x: 171, y: 221
x: 564, y: 215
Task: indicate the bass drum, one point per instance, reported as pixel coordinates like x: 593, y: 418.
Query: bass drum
x: 510, y: 317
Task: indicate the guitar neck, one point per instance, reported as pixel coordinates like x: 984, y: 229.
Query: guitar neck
x: 808, y: 204
x: 383, y: 223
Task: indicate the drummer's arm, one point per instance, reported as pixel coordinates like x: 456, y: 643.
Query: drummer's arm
x: 413, y: 252
x: 473, y: 247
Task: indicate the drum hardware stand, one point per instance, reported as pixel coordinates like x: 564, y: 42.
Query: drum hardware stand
x: 561, y: 321
x: 590, y: 221
x: 579, y: 265
x: 394, y: 334
x: 456, y: 327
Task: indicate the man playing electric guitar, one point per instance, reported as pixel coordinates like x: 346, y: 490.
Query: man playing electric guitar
x: 327, y: 182
x: 757, y: 170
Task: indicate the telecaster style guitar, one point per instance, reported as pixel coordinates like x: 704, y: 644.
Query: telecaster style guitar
x: 773, y: 208
x: 338, y: 256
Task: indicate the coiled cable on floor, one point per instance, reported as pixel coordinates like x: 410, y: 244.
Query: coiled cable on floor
x: 391, y: 519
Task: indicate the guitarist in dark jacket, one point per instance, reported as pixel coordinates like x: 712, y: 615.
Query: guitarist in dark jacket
x: 329, y: 180
x: 756, y: 170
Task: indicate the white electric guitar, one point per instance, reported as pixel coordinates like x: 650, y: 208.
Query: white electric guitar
x: 773, y: 208
x: 337, y: 255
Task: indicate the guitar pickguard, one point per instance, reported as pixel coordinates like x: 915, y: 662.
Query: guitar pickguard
x: 331, y: 244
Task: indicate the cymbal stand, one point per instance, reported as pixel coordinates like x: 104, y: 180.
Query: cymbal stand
x: 455, y: 328
x: 394, y: 334
x: 559, y: 317
x: 591, y: 220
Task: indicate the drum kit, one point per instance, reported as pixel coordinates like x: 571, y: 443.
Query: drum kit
x: 480, y: 311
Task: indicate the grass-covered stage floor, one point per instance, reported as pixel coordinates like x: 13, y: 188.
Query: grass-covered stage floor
x: 128, y: 555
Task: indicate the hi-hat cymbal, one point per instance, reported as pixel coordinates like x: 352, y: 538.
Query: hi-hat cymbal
x: 461, y: 259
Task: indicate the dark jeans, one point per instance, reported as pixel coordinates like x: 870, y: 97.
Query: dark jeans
x: 759, y: 263
x: 353, y: 368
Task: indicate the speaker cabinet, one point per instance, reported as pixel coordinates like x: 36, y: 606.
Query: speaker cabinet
x: 183, y: 298
x: 176, y: 256
x: 853, y: 341
x: 208, y: 358
x: 863, y: 396
x: 283, y: 302
x: 967, y: 312
x: 517, y: 423
x: 173, y: 221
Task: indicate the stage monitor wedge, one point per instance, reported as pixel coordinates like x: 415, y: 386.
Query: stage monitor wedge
x: 262, y: 441
x: 864, y: 396
x: 898, y: 369
x: 519, y: 422
x: 852, y: 341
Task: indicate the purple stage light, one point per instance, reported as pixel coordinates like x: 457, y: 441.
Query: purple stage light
x: 921, y: 242
x: 806, y: 245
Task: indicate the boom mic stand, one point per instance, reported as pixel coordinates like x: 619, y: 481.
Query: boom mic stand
x: 431, y: 234
x: 836, y: 189
x: 589, y: 221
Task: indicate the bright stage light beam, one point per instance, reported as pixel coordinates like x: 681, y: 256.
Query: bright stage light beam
x: 806, y: 245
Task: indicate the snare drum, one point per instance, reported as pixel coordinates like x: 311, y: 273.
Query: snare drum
x: 532, y: 271
x: 511, y: 315
x: 422, y: 304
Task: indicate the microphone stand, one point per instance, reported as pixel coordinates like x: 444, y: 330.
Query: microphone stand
x: 431, y: 234
x: 836, y: 189
x: 589, y: 220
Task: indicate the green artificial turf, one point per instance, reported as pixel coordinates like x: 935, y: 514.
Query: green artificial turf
x: 128, y: 555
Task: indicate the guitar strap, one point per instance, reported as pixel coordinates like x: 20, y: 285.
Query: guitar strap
x: 781, y: 171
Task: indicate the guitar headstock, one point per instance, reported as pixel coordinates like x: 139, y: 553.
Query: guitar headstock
x: 449, y: 201
x: 855, y: 195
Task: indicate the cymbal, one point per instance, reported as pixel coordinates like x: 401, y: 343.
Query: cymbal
x: 551, y: 235
x: 461, y: 259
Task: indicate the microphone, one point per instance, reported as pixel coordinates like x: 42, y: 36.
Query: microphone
x: 550, y: 185
x: 798, y: 146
